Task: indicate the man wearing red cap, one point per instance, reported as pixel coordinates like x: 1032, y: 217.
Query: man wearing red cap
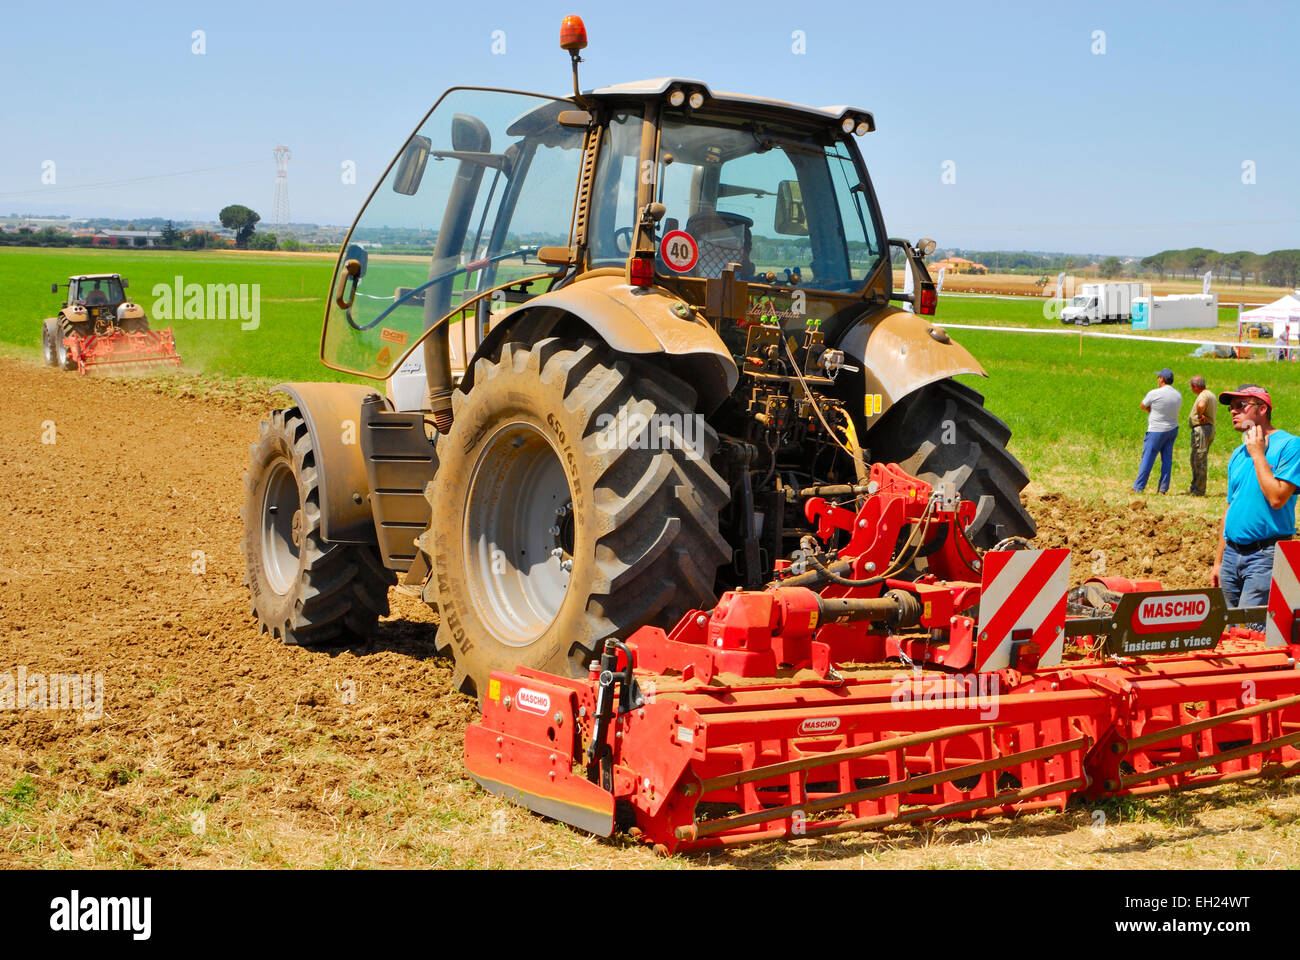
x: 1263, y: 475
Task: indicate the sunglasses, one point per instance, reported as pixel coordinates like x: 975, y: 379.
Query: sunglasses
x: 1239, y: 405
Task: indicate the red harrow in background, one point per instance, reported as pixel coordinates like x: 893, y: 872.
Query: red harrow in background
x: 975, y: 692
x: 121, y: 350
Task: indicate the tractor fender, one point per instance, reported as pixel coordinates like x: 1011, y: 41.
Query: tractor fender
x: 333, y: 415
x: 634, y: 321
x: 74, y: 313
x: 900, y: 354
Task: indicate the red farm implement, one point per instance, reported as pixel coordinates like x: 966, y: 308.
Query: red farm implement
x: 852, y: 693
x: 119, y: 350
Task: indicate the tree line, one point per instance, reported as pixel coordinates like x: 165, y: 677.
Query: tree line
x: 1278, y: 268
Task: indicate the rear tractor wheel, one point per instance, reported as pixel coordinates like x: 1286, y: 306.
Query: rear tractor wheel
x: 62, y: 355
x: 50, y: 344
x: 305, y: 591
x: 557, y: 520
x: 942, y: 432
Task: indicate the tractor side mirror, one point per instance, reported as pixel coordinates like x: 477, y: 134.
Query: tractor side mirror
x: 469, y: 134
x: 791, y: 214
x: 54, y: 288
x: 125, y: 283
x: 358, y: 253
x: 410, y: 169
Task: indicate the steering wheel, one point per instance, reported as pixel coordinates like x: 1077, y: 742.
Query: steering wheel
x: 623, y: 240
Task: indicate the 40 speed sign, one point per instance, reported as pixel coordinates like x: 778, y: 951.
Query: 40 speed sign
x: 679, y: 250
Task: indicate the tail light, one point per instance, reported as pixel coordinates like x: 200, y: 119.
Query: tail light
x: 642, y: 271
x: 929, y: 301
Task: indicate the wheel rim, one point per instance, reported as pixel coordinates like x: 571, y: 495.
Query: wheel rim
x: 518, y: 535
x: 281, y: 528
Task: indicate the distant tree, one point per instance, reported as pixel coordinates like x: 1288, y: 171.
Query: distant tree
x: 1111, y: 267
x: 242, y: 220
x: 291, y: 244
x: 198, y: 239
x: 263, y: 241
x: 170, y: 235
x: 1281, y: 268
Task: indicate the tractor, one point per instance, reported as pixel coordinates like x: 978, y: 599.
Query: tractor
x: 723, y: 547
x: 99, y: 326
x: 625, y: 334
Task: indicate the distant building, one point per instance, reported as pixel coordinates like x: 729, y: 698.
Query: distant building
x: 958, y: 265
x: 125, y: 238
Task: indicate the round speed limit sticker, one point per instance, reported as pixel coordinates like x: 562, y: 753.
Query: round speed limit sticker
x: 679, y: 251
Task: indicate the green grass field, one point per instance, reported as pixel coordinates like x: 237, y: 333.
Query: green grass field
x: 285, y: 345
x: 1071, y: 402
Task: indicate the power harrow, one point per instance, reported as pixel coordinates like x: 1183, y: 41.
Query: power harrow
x: 119, y: 349
x: 893, y: 674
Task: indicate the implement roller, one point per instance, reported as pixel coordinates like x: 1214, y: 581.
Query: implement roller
x: 853, y: 692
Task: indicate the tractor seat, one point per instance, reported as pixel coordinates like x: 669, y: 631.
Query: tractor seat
x: 722, y: 238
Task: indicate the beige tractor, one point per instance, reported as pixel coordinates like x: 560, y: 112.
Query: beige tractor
x: 622, y: 333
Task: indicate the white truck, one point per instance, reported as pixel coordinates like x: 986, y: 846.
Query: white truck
x: 1102, y: 303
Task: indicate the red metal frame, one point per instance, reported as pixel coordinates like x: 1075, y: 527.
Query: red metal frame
x: 740, y: 725
x: 120, y: 347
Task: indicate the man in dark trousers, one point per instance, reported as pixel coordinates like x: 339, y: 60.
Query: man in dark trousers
x: 1263, y: 475
x: 1201, y: 420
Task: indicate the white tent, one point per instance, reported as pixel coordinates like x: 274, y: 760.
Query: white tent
x: 1286, y: 310
x: 1283, y: 318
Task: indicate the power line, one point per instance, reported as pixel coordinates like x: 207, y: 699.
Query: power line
x: 55, y: 189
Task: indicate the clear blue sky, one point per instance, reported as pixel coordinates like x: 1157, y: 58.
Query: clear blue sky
x: 1054, y: 147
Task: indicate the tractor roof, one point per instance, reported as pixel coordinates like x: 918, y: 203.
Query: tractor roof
x: 661, y: 85
x: 94, y: 276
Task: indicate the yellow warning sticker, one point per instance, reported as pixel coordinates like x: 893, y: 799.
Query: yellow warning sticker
x: 384, y: 357
x: 874, y: 404
x: 925, y: 615
x: 812, y: 620
x: 494, y: 689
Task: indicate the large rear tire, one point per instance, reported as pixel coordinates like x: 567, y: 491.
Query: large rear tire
x: 304, y: 590
x: 50, y: 341
x: 552, y: 528
x: 62, y: 354
x: 942, y: 432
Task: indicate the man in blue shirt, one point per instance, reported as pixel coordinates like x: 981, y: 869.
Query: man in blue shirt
x: 1263, y: 475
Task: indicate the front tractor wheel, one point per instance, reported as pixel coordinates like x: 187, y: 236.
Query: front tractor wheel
x: 573, y: 501
x: 942, y: 432
x: 304, y: 590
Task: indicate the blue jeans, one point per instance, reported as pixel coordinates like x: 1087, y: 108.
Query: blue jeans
x: 1163, y: 444
x: 1246, y: 577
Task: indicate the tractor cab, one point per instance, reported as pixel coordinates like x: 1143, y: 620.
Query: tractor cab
x: 499, y: 197
x: 99, y: 293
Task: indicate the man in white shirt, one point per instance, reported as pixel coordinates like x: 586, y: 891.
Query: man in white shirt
x: 1162, y: 406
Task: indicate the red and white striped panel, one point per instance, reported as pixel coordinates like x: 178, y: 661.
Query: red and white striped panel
x: 1022, y: 590
x: 1283, y: 594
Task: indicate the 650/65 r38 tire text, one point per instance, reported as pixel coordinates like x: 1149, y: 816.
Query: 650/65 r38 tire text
x: 550, y: 531
x: 304, y: 590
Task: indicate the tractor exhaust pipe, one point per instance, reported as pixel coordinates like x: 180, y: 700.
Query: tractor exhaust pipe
x: 468, y: 134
